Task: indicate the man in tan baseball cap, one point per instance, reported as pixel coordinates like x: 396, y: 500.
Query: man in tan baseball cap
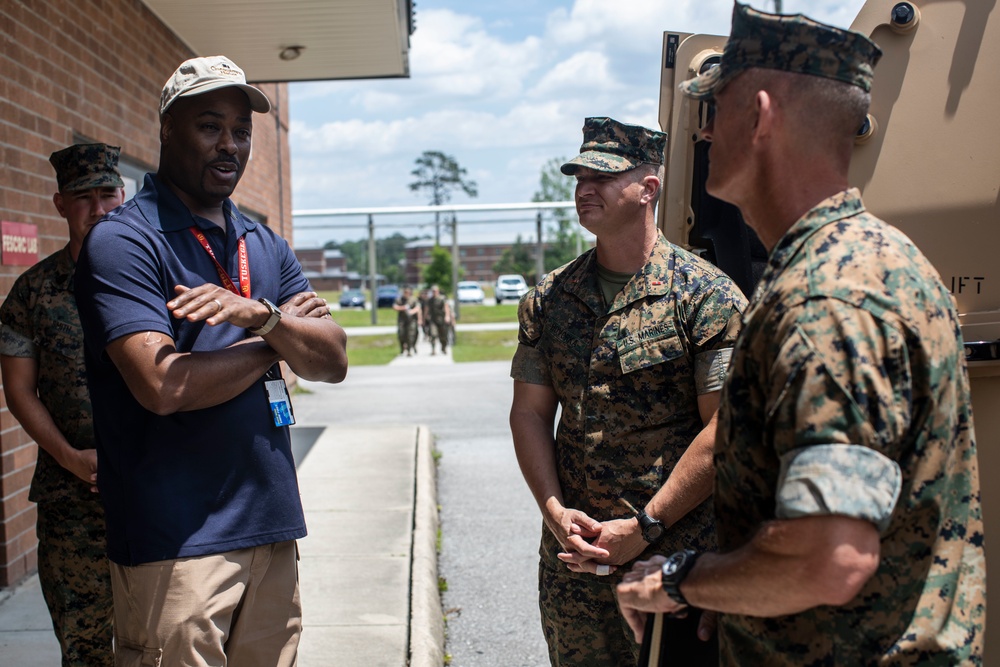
x: 194, y: 304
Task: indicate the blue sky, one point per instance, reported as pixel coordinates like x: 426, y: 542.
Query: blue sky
x: 501, y: 86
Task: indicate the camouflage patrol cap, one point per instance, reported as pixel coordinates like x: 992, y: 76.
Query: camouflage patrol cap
x: 201, y: 75
x: 612, y: 146
x: 793, y: 43
x: 86, y: 166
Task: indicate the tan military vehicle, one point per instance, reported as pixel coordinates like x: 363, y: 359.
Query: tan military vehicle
x: 927, y: 161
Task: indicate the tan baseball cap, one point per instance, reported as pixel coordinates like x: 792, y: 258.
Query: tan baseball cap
x: 202, y: 75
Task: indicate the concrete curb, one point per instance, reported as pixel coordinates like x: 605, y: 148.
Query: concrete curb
x: 426, y: 614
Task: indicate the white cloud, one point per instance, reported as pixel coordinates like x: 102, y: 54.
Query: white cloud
x: 500, y: 98
x: 628, y: 26
x: 582, y: 71
x: 377, y: 100
x: 455, y: 55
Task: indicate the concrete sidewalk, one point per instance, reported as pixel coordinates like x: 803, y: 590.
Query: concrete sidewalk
x: 368, y: 570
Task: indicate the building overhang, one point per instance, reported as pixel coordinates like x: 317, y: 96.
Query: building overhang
x: 297, y: 40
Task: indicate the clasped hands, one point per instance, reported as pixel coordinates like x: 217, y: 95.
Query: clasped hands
x: 589, y: 544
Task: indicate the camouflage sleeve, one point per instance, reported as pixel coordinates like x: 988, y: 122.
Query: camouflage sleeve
x: 16, y: 337
x: 837, y: 375
x: 710, y: 368
x: 529, y: 364
x: 717, y: 320
x: 529, y: 318
x: 14, y: 344
x: 838, y: 410
x: 849, y: 480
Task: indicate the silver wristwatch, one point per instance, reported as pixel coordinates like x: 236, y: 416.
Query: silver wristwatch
x: 272, y: 320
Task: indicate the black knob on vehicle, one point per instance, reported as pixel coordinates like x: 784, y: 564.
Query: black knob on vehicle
x: 903, y: 13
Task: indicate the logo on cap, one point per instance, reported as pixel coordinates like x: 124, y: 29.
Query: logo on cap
x: 202, y: 75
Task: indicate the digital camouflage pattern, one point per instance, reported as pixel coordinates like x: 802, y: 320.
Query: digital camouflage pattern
x: 407, y: 323
x: 578, y: 628
x: 611, y: 146
x: 75, y: 577
x: 87, y: 166
x: 568, y: 605
x: 851, y: 340
x: 40, y: 321
x: 437, y: 316
x: 792, y: 43
x: 811, y: 479
x: 628, y: 379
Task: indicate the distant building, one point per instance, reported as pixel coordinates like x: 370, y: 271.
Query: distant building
x: 327, y: 271
x: 475, y: 259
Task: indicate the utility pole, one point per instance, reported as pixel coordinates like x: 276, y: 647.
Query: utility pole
x: 454, y: 262
x: 777, y: 6
x: 371, y: 268
x: 539, y: 248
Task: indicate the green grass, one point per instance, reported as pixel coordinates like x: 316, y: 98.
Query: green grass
x: 474, y: 313
x: 485, y: 345
x: 372, y: 350
x: 356, y: 317
x: 470, y: 345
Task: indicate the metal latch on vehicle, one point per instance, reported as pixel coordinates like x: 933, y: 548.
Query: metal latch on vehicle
x: 982, y: 350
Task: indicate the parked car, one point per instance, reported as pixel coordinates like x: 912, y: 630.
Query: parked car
x: 352, y: 298
x: 510, y: 287
x: 469, y: 291
x: 386, y: 295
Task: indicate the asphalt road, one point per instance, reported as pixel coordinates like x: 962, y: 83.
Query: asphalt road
x: 489, y: 522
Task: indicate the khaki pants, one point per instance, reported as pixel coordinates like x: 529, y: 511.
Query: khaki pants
x: 239, y: 608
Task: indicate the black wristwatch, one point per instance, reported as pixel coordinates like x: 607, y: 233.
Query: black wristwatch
x: 653, y: 530
x: 272, y: 320
x: 674, y: 570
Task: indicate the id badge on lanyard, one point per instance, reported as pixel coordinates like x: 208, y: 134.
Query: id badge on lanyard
x: 277, y: 398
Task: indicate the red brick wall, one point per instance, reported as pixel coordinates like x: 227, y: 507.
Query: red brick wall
x: 92, y: 68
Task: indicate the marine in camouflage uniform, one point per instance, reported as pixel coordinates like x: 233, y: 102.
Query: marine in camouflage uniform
x: 438, y: 312
x: 873, y: 421
x: 41, y: 344
x: 629, y: 368
x: 407, y: 322
x: 845, y: 438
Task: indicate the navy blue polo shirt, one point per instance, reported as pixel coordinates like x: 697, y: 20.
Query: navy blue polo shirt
x: 196, y: 482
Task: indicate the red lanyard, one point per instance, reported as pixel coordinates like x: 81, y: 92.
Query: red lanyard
x: 227, y: 282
